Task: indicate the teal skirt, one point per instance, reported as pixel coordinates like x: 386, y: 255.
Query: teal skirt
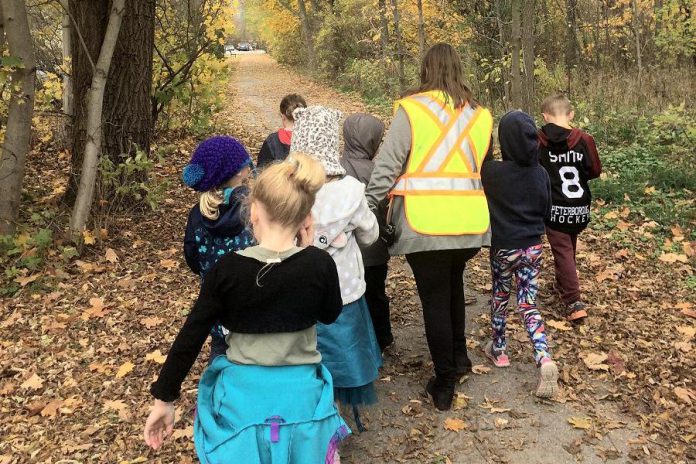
x: 262, y: 415
x: 350, y: 352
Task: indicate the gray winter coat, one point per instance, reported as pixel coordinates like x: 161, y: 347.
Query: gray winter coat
x: 389, y: 166
x: 362, y: 134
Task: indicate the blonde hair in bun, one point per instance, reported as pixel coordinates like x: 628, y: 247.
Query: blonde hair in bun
x: 287, y: 190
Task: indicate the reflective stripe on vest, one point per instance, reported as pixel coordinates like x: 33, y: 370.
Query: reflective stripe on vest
x: 442, y: 189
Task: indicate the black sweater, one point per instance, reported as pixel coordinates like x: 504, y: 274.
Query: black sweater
x: 517, y: 189
x: 294, y: 295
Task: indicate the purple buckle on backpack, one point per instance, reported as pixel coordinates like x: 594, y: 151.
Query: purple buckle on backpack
x: 275, y: 422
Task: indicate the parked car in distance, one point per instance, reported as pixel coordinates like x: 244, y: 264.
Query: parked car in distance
x: 229, y: 50
x: 244, y: 47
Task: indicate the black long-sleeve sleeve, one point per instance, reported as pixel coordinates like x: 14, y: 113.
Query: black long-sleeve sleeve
x: 333, y: 303
x: 190, y: 246
x: 189, y: 341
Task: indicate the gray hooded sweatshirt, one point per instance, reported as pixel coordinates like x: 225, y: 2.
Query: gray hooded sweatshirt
x: 389, y: 166
x: 362, y: 134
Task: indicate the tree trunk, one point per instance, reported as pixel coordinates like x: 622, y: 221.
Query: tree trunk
x: 68, y: 112
x: 384, y: 29
x: 421, y: 30
x: 636, y: 35
x: 127, y: 104
x: 528, y: 16
x: 399, y: 48
x: 505, y: 74
x: 571, y: 54
x: 516, y: 40
x: 21, y: 108
x: 128, y: 113
x: 308, y: 33
x: 93, y: 123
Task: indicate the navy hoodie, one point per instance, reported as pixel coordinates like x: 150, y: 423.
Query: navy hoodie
x: 518, y: 188
x: 206, y: 241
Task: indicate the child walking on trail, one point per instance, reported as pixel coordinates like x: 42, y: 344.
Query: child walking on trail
x: 219, y: 167
x: 269, y: 399
x: 277, y: 145
x: 362, y: 134
x: 342, y: 222
x: 570, y: 157
x: 517, y: 190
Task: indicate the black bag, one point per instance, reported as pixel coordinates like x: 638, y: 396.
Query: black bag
x: 387, y: 231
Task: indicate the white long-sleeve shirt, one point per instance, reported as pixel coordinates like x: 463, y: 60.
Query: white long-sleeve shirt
x: 342, y: 222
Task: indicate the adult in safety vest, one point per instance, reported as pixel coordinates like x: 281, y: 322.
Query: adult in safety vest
x: 429, y: 166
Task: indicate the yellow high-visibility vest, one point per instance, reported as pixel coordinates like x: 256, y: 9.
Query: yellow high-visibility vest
x: 442, y: 189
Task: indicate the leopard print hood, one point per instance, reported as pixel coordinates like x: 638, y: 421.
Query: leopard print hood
x: 316, y: 134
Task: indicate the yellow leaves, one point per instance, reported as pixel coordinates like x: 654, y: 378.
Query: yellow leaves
x: 32, y: 383
x: 584, y: 423
x: 88, y: 238
x: 51, y: 408
x: 125, y: 368
x: 480, y: 369
x: 96, y: 309
x: 119, y: 406
x: 156, y: 356
x: 686, y: 395
x: 558, y: 325
x: 111, y: 256
x: 168, y: 263
x: 500, y: 423
x: 673, y: 258
x: 151, y: 322
x: 24, y: 281
x: 595, y: 361
x: 454, y: 424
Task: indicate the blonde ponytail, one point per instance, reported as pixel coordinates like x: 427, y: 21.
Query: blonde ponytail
x: 210, y: 204
x: 287, y: 190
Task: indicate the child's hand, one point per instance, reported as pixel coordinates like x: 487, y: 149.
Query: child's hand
x: 159, y: 424
x: 305, y: 236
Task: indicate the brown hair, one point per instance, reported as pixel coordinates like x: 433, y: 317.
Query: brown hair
x: 442, y: 69
x: 290, y: 103
x: 287, y: 190
x: 556, y: 104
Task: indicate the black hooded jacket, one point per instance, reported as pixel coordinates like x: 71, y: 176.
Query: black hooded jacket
x: 518, y: 188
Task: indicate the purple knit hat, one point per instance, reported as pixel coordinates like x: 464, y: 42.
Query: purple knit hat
x: 215, y: 161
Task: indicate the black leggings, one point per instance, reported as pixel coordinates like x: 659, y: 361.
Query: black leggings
x: 440, y: 282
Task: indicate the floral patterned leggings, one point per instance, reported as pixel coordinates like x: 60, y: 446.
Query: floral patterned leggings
x: 524, y: 265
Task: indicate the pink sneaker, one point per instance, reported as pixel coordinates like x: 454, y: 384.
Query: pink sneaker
x: 500, y: 359
x: 548, y: 379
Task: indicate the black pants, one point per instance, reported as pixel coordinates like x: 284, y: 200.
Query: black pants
x: 378, y: 303
x: 440, y: 282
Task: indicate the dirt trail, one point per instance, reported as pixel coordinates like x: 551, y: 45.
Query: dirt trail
x: 504, y: 421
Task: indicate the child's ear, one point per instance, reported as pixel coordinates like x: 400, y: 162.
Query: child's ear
x: 545, y: 116
x: 571, y: 115
x: 307, y: 221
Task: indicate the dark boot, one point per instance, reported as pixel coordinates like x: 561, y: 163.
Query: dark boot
x: 462, y: 361
x: 441, y: 392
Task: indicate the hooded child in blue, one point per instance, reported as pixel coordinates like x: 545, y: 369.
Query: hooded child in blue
x: 519, y: 198
x: 215, y: 227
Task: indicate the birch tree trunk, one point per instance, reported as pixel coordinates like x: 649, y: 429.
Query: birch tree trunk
x: 636, y: 36
x: 516, y: 39
x: 68, y: 111
x: 93, y: 146
x: 21, y: 108
x: 503, y: 52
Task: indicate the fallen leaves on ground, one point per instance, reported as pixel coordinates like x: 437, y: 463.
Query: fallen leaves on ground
x: 454, y: 424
